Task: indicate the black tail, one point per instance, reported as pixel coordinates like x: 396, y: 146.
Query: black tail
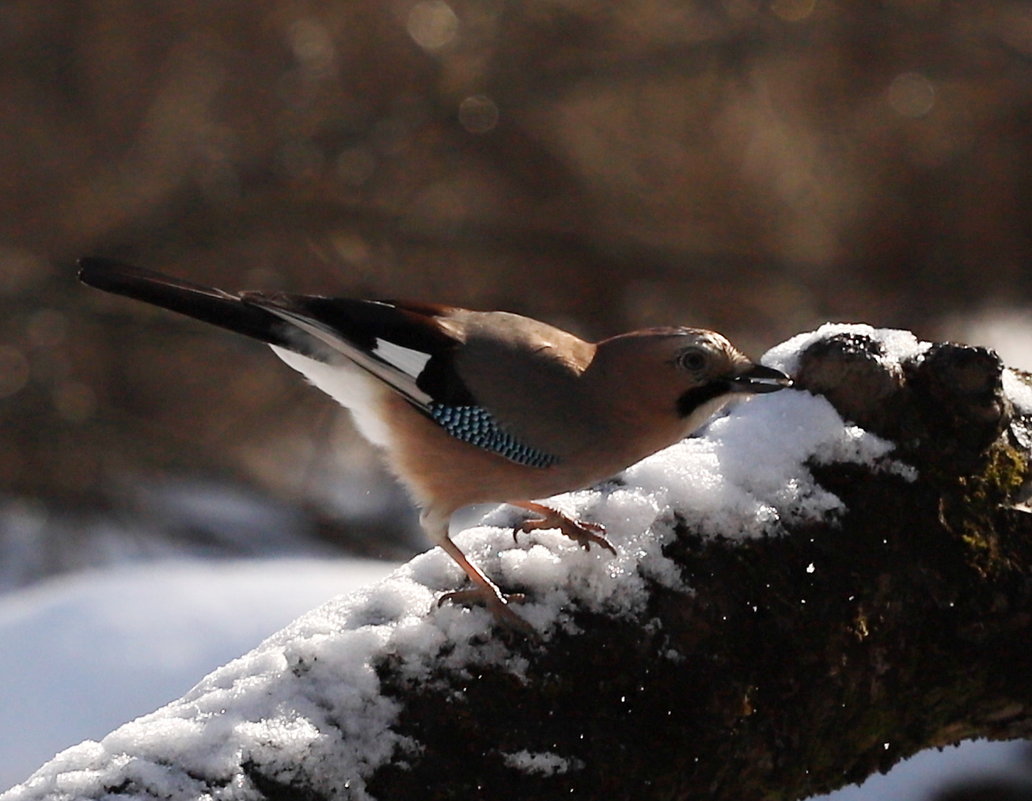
x: 194, y: 300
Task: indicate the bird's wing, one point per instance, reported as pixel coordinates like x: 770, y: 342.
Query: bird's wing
x: 407, y: 346
x: 411, y: 347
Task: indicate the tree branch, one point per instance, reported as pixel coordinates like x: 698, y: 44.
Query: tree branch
x: 815, y: 607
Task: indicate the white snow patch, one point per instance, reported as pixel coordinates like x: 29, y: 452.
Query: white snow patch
x: 1019, y: 390
x: 1005, y: 333
x: 81, y: 654
x: 897, y: 344
x: 543, y: 763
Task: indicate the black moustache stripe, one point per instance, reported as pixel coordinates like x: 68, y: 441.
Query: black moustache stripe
x: 691, y: 400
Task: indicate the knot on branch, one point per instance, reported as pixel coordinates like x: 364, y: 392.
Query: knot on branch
x: 958, y: 392
x: 943, y: 406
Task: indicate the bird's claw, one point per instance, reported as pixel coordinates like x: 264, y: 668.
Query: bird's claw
x: 498, y: 604
x: 474, y: 595
x: 584, y: 533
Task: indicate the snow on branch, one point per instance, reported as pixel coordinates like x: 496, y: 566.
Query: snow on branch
x: 821, y: 583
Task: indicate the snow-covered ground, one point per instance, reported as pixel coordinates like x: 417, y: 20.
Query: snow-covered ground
x: 84, y: 653
x: 930, y: 772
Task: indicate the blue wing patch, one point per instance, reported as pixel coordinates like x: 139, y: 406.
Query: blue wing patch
x: 473, y: 424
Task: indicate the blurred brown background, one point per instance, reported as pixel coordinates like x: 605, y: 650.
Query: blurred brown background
x: 755, y: 167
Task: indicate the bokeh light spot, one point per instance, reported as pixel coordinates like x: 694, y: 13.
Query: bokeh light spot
x: 911, y: 94
x: 18, y: 269
x: 14, y: 371
x: 47, y: 328
x: 351, y: 248
x: 793, y: 10
x: 312, y: 44
x: 741, y: 9
x: 74, y: 401
x: 432, y: 24
x: 478, y: 114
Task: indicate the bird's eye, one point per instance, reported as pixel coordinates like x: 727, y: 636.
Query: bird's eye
x: 693, y: 360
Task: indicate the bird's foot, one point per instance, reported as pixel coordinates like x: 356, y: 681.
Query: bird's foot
x: 584, y: 533
x: 496, y: 602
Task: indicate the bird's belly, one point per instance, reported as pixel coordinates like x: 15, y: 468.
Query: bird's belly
x: 446, y: 473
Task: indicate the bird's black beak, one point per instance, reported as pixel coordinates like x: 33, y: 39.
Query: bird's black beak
x: 759, y: 378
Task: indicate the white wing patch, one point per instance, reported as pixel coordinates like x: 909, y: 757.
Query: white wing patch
x: 395, y: 365
x: 409, y: 361
x: 352, y: 387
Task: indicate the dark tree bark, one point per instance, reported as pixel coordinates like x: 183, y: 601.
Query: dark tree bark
x: 798, y: 663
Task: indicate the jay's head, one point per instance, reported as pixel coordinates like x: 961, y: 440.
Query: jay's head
x: 688, y: 372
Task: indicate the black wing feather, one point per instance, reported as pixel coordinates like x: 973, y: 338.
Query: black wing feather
x: 363, y: 322
x: 194, y: 300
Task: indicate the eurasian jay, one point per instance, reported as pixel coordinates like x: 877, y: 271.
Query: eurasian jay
x: 473, y: 407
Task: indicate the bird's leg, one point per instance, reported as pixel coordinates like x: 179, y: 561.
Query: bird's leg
x: 484, y: 591
x: 583, y: 533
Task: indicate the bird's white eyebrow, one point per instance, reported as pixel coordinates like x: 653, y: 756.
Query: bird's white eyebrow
x: 409, y: 361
